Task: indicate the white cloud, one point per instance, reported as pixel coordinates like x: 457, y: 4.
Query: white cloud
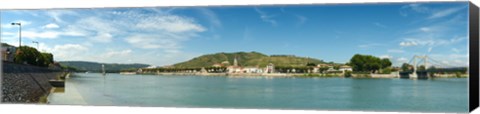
x: 446, y: 12
x: 66, y: 51
x: 385, y: 56
x: 94, y: 24
x: 395, y: 51
x: 51, y: 26
x: 211, y: 16
x: 45, y: 34
x: 458, y: 56
x: 265, y: 17
x: 449, y: 60
x: 408, y: 43
x: 70, y: 47
x: 417, y: 8
x: 425, y: 29
x: 7, y: 26
x: 48, y: 34
x: 455, y: 50
x: 9, y: 33
x: 117, y: 53
x: 102, y: 37
x: 402, y: 60
x: 153, y: 42
x: 434, y: 13
x: 152, y: 30
x: 169, y: 23
x: 56, y: 15
x: 430, y: 41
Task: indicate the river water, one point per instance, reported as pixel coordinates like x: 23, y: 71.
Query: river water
x: 434, y: 95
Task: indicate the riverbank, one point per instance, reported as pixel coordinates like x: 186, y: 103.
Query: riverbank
x: 353, y: 75
x: 26, y: 83
x: 236, y: 74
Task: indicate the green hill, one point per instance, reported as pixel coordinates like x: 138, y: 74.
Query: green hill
x: 247, y: 59
x: 96, y: 67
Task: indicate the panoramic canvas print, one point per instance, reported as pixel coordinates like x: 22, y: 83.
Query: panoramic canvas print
x: 407, y: 57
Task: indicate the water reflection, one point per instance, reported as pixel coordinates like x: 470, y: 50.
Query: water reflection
x: 442, y: 95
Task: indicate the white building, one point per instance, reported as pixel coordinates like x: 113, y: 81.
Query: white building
x: 270, y: 68
x: 344, y: 68
x: 252, y: 70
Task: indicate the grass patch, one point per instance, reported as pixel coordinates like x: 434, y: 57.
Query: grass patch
x: 43, y: 99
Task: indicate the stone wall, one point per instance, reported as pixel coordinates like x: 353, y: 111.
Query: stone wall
x: 25, y: 83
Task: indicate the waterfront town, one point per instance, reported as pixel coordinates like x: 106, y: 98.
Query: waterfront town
x: 225, y: 68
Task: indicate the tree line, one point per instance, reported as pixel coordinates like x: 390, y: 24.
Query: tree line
x: 369, y: 63
x: 31, y: 56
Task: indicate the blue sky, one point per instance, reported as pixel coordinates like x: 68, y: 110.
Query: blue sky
x: 167, y: 35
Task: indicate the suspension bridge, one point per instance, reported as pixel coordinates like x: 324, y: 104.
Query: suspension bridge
x: 425, y: 67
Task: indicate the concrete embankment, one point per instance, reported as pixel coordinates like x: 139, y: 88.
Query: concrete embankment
x: 25, y: 83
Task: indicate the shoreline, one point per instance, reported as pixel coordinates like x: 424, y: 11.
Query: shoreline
x: 340, y: 75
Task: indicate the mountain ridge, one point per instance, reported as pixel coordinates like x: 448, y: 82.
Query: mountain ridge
x: 246, y: 59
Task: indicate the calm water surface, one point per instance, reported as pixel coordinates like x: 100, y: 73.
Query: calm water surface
x: 436, y: 95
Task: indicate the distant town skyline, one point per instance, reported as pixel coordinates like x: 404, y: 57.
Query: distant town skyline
x: 168, y: 35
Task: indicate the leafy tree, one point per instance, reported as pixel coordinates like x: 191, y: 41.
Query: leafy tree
x: 311, y: 64
x: 406, y: 67
x: 368, y: 63
x: 386, y: 63
x: 31, y: 56
x: 336, y: 67
x: 421, y: 67
x: 323, y: 69
x: 432, y: 68
x: 47, y: 59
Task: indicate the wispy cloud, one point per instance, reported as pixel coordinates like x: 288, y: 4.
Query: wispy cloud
x: 417, y: 8
x: 117, y: 53
x: 66, y: 51
x: 408, y: 43
x: 266, y: 17
x: 432, y: 12
x: 153, y: 42
x: 153, y: 29
x: 56, y: 15
x: 379, y: 25
x: 169, y: 23
x: 247, y: 34
x: 385, y: 56
x: 211, y: 16
x: 102, y: 37
x: 301, y: 20
x: 395, y: 51
x: 51, y: 26
x: 430, y: 41
x: 445, y: 12
x: 455, y: 50
x: 369, y: 45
